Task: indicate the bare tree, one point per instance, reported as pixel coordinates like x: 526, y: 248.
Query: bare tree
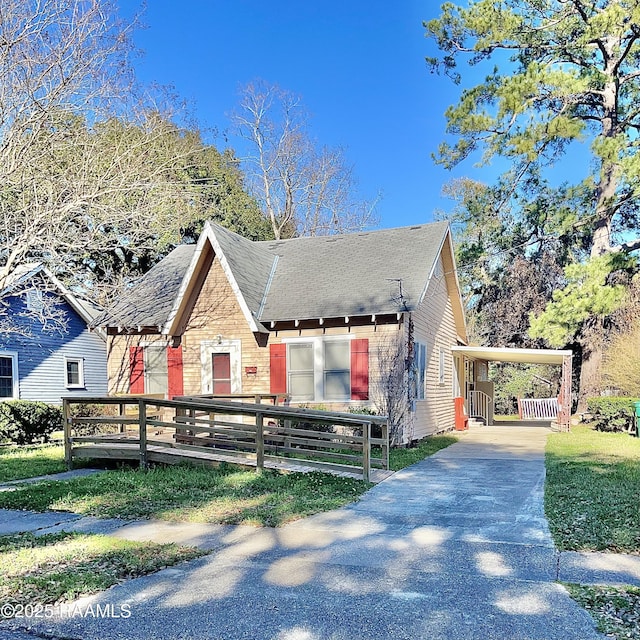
x: 391, y: 388
x: 303, y: 189
x: 95, y: 176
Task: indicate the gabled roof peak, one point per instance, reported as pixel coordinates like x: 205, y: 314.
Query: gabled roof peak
x: 293, y: 279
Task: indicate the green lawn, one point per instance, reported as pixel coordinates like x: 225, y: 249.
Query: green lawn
x: 401, y: 458
x: 29, y: 461
x: 193, y: 494
x: 225, y: 495
x: 591, y: 492
x: 616, y: 610
x: 62, y: 567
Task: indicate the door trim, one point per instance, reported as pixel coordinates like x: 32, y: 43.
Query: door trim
x: 234, y: 349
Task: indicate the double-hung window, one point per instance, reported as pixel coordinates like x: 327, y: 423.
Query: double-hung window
x: 319, y: 369
x: 74, y: 373
x: 155, y: 369
x: 337, y: 370
x: 8, y: 375
x: 301, y: 370
x: 420, y: 370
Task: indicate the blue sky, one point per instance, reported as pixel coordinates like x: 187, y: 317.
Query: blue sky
x: 359, y: 67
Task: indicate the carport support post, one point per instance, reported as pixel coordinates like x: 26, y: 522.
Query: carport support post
x: 66, y: 431
x: 565, y: 394
x: 259, y: 441
x: 142, y: 419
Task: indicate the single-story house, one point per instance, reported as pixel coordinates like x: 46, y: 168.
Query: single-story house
x: 317, y: 318
x: 46, y: 348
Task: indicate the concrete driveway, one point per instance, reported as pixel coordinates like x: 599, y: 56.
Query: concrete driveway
x: 456, y: 546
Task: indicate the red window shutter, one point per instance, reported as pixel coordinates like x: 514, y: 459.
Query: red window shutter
x: 175, y: 384
x: 278, y: 366
x: 360, y: 369
x: 136, y: 370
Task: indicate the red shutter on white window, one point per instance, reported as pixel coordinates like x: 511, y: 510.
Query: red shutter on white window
x: 175, y: 384
x: 136, y: 370
x: 278, y: 367
x: 360, y: 369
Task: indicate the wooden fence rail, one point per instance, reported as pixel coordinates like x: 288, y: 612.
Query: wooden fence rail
x: 154, y: 429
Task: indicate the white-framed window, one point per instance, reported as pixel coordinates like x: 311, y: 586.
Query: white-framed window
x: 319, y: 369
x: 441, y: 368
x: 156, y: 375
x: 74, y: 372
x: 301, y: 371
x: 8, y: 375
x: 455, y: 381
x: 420, y: 370
x: 337, y: 370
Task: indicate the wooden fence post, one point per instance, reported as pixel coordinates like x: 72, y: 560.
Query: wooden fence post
x: 142, y: 432
x: 259, y: 441
x: 366, y: 451
x: 66, y: 430
x: 385, y: 447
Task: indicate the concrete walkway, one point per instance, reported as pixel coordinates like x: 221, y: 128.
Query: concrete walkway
x: 456, y: 546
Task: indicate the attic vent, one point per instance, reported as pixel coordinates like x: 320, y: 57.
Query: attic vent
x: 419, y: 226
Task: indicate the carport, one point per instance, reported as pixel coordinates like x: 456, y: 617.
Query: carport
x: 471, y: 366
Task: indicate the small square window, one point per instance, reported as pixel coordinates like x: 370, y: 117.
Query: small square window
x: 74, y: 372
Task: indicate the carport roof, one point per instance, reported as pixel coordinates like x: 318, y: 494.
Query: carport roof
x: 509, y: 354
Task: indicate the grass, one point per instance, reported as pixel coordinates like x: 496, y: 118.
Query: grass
x: 62, y: 567
x: 401, y: 457
x: 192, y: 494
x: 29, y: 461
x: 591, y: 492
x: 225, y: 495
x: 616, y: 610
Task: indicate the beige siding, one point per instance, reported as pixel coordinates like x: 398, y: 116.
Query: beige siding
x: 434, y: 326
x: 217, y: 313
x: 118, y: 359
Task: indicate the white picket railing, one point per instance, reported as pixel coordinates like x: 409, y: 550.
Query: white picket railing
x: 538, y: 408
x: 478, y: 405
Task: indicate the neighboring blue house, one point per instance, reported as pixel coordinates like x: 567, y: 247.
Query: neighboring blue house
x: 46, y: 348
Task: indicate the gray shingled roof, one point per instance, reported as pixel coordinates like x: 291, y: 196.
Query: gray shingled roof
x: 353, y: 274
x: 250, y: 262
x: 373, y: 272
x: 149, y: 302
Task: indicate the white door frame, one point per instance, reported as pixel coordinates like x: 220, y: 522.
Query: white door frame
x: 232, y: 347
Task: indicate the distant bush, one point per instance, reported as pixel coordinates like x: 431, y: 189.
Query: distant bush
x: 91, y: 410
x: 612, y: 413
x: 28, y: 422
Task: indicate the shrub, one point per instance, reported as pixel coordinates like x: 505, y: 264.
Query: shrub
x: 91, y: 410
x: 28, y: 422
x: 376, y: 429
x: 612, y: 413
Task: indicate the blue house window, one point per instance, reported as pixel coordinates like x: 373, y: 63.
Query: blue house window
x: 8, y: 375
x: 74, y: 371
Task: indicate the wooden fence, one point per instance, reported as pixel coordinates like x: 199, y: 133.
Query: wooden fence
x: 157, y: 430
x: 538, y: 408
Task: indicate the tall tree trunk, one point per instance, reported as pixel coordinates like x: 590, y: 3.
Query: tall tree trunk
x: 592, y: 343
